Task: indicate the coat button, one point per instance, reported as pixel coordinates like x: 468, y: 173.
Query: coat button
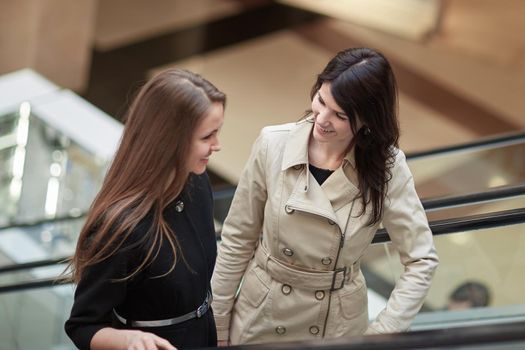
x: 314, y: 330
x: 286, y: 289
x: 280, y: 330
x: 287, y: 252
x: 179, y: 206
x: 331, y: 222
x: 326, y: 261
x: 319, y: 295
x: 297, y: 167
x: 288, y: 210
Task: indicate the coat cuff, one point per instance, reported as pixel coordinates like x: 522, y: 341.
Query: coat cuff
x: 386, y: 324
x: 371, y: 330
x: 222, y: 323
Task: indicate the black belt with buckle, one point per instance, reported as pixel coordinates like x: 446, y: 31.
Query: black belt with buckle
x: 201, y: 311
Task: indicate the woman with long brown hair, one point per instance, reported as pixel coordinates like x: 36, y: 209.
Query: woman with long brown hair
x: 146, y: 253
x: 307, y: 206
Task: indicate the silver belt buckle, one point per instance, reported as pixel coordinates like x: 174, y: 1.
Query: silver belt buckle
x: 201, y: 310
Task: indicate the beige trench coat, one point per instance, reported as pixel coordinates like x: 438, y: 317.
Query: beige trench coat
x: 300, y: 232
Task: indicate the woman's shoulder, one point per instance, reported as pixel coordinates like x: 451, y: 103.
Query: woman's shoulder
x: 398, y: 155
x: 277, y: 129
x: 202, y: 180
x: 281, y: 130
x: 198, y: 189
x: 278, y: 135
x: 199, y: 183
x: 399, y: 166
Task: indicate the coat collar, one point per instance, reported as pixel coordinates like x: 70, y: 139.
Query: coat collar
x: 296, y: 149
x: 334, y: 198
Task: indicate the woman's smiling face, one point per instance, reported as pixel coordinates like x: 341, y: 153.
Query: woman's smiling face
x: 331, y: 122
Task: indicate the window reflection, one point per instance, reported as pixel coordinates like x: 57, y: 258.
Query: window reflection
x: 43, y: 173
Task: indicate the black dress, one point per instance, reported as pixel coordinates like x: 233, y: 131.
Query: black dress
x: 146, y: 298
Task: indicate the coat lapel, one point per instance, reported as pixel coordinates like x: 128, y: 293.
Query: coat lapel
x: 296, y: 149
x: 341, y: 192
x: 333, y: 200
x: 313, y: 200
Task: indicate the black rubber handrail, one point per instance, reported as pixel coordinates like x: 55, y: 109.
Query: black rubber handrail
x: 496, y: 333
x: 490, y: 141
x: 38, y: 222
x: 467, y: 223
x: 438, y: 227
x: 34, y: 284
x: 431, y: 203
x: 430, y: 339
x: 490, y: 194
x: 33, y: 264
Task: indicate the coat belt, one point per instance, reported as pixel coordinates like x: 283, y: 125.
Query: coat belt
x: 304, y: 278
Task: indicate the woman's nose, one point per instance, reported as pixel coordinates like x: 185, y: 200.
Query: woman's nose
x: 216, y: 147
x: 323, y: 117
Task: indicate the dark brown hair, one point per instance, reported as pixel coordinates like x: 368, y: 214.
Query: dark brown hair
x: 363, y: 85
x: 149, y: 169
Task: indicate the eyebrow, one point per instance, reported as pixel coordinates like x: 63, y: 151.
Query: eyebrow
x: 215, y: 130
x: 336, y: 112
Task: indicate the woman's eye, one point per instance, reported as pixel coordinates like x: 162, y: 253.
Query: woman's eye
x: 340, y: 116
x: 207, y: 137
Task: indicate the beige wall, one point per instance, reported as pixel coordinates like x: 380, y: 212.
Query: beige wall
x: 53, y: 37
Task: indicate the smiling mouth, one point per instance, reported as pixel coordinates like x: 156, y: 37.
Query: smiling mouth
x: 323, y: 130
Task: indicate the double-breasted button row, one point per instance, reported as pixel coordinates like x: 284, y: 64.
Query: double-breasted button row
x: 282, y: 330
x: 325, y: 261
x: 319, y: 295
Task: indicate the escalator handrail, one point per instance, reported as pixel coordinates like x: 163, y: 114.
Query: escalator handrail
x: 34, y: 284
x: 34, y: 264
x: 429, y: 204
x: 38, y: 222
x: 466, y: 223
x: 438, y: 227
x: 479, y: 143
x: 427, y: 339
x: 490, y: 194
x: 430, y: 339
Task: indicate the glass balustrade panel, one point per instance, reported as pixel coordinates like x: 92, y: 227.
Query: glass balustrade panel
x: 480, y: 277
x: 469, y: 170
x: 34, y: 318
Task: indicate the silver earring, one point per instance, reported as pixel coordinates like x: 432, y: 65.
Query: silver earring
x: 366, y: 131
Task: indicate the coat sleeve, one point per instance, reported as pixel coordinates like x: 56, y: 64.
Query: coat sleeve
x: 96, y: 295
x: 240, y: 233
x: 405, y: 220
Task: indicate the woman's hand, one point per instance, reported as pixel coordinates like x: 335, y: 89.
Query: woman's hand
x: 147, y: 341
x: 223, y: 343
x: 116, y: 339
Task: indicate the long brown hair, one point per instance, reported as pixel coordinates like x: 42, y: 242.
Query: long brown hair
x: 149, y: 169
x: 364, y: 86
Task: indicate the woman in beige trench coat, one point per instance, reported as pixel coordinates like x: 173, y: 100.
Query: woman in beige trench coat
x: 308, y: 204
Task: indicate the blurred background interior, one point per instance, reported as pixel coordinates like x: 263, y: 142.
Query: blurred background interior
x: 68, y: 70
